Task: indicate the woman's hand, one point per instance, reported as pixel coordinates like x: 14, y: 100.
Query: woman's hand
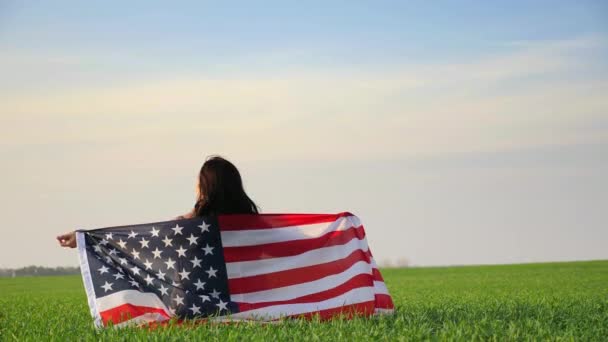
x: 67, y: 240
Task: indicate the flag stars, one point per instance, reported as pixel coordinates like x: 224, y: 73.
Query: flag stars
x: 154, y: 232
x: 200, y: 285
x: 195, y: 309
x: 222, y: 305
x: 208, y: 249
x: 122, y: 261
x: 181, y: 252
x: 161, y: 275
x: 107, y: 286
x: 135, y: 254
x: 170, y: 263
x: 144, y: 243
x: 192, y: 239
x: 211, y: 272
x: 122, y: 244
x: 149, y: 280
x: 97, y: 248
x: 163, y: 290
x: 205, y: 298
x: 133, y: 282
x: 184, y: 275
x: 109, y: 236
x: 178, y: 300
x: 215, y: 294
x: 177, y: 230
x: 204, y: 227
x: 148, y: 264
x: 135, y: 270
x: 196, y: 262
x: 103, y: 269
x: 167, y: 241
x: 118, y: 276
x: 157, y: 252
x: 132, y: 235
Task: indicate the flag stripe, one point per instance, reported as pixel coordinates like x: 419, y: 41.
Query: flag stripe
x: 291, y: 248
x: 311, y: 258
x: 295, y: 275
x: 304, y: 289
x: 354, y: 296
x: 126, y: 312
x: 249, y: 237
x: 360, y: 280
x: 134, y: 297
x: 346, y: 311
x: 266, y: 221
x: 384, y: 301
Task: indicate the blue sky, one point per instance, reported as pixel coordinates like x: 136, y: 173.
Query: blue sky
x: 456, y: 128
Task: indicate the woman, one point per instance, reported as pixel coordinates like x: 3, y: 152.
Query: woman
x: 219, y: 191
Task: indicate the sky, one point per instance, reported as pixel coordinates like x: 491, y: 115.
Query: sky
x: 460, y: 132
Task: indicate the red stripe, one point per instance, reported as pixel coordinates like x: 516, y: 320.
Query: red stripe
x: 296, y: 275
x: 292, y: 247
x: 265, y: 221
x: 360, y: 280
x: 377, y: 275
x: 384, y: 301
x: 126, y: 312
x: 346, y: 311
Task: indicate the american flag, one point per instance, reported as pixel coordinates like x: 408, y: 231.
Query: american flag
x: 231, y: 267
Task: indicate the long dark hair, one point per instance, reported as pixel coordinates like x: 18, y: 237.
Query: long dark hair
x: 220, y: 190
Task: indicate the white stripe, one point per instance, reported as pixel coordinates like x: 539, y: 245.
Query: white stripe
x: 379, y: 311
x: 314, y: 257
x: 251, y: 237
x: 299, y: 290
x: 143, y: 319
x: 380, y: 288
x: 133, y: 297
x: 355, y: 296
x: 86, y: 278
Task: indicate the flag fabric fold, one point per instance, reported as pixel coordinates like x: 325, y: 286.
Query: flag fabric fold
x: 231, y: 267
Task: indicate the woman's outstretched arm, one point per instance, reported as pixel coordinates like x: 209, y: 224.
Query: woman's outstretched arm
x: 67, y: 240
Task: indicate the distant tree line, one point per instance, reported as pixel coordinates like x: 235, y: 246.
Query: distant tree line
x: 38, y: 271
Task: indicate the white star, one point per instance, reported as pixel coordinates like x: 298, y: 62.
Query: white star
x: 132, y: 234
x: 103, y: 242
x: 174, y: 284
x: 109, y: 236
x: 179, y: 300
x: 109, y: 260
x: 113, y: 251
x: 149, y: 279
x: 144, y: 242
x: 204, y: 227
x: 122, y: 244
x: 157, y: 253
x: 177, y: 230
x: 184, y: 275
x: 148, y: 264
x: 167, y: 241
x: 135, y: 254
x: 107, y: 286
x: 172, y: 311
x: 154, y: 231
x: 208, y: 249
x: 170, y: 263
x: 215, y: 294
x: 181, y: 251
x: 211, y: 272
x: 160, y: 274
x: 135, y: 270
x: 163, y: 290
x: 119, y: 276
x: 195, y: 309
x: 204, y: 298
x: 123, y: 261
x: 222, y: 305
x: 103, y: 269
x: 200, y: 285
x: 196, y: 262
x: 134, y: 282
x: 192, y: 239
x: 97, y: 248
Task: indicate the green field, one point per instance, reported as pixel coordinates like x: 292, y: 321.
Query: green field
x: 553, y: 301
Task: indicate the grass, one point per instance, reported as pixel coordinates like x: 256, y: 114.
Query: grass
x: 552, y: 301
